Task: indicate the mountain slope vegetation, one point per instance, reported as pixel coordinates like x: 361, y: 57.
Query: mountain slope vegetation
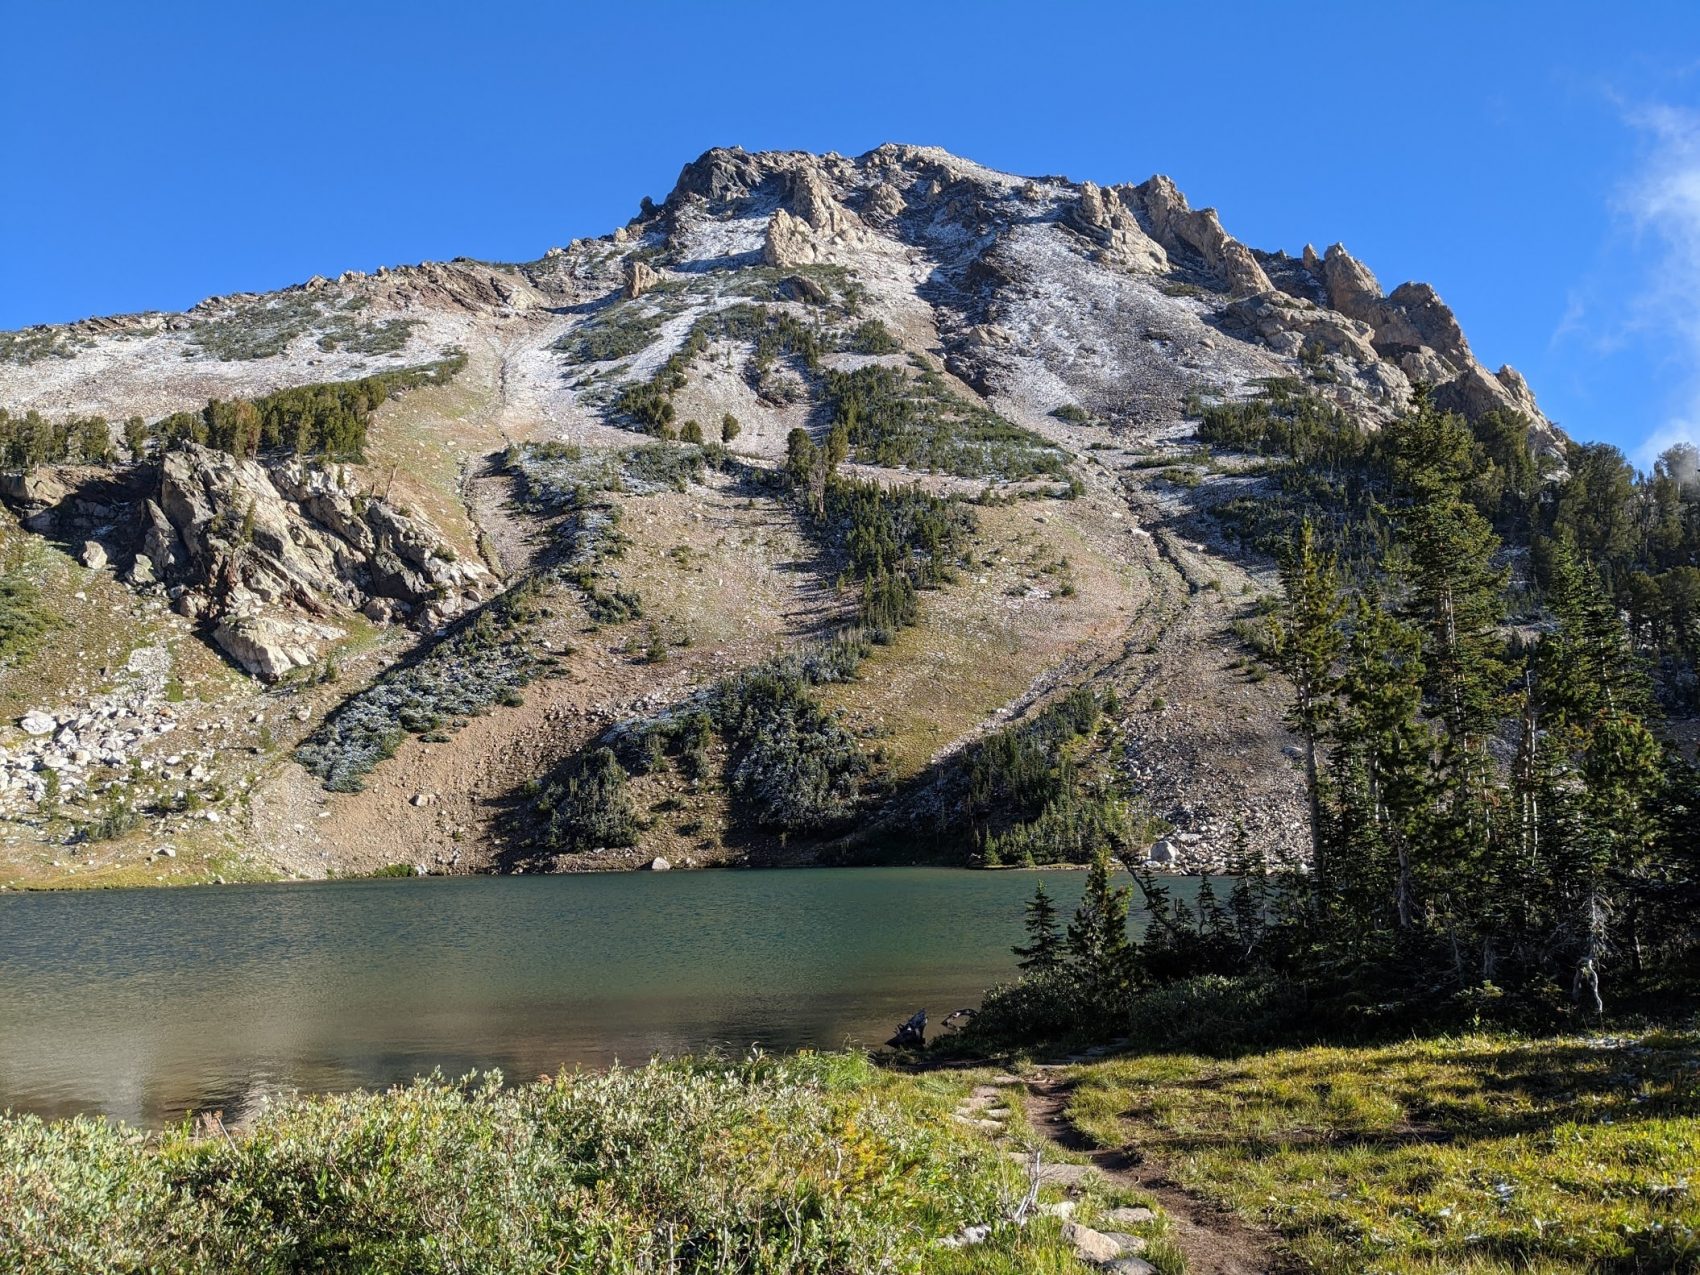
x: 748, y: 533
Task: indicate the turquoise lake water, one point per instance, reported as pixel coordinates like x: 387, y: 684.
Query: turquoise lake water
x: 148, y: 1004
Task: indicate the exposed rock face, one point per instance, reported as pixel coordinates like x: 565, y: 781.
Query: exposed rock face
x: 1103, y: 216
x: 238, y: 535
x: 255, y: 549
x: 33, y: 491
x: 817, y: 224
x: 270, y: 648
x: 640, y: 278
x: 1292, y: 326
x: 788, y: 242
x: 1352, y: 289
x: 1474, y: 392
x: 1179, y: 229
x: 1328, y: 310
x: 717, y: 175
x: 884, y: 204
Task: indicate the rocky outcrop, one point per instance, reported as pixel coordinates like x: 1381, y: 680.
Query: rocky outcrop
x: 1414, y: 330
x: 1295, y: 327
x: 1105, y: 218
x: 32, y: 491
x: 717, y: 175
x: 1182, y: 230
x: 884, y: 204
x: 1475, y: 392
x: 788, y: 242
x: 271, y: 648
x: 639, y: 278
x: 264, y: 553
x: 1412, y: 321
x: 815, y: 224
x: 1352, y: 289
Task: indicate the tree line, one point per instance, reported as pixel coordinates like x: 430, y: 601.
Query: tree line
x: 1640, y: 532
x: 1502, y: 823
x: 329, y: 419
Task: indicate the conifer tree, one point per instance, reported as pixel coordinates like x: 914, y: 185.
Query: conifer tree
x: 1098, y: 943
x: 1307, y: 642
x: 1383, y: 748
x: 1454, y: 593
x: 1602, y: 774
x: 1043, y: 950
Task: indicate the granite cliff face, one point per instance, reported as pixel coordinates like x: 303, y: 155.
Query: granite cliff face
x: 1055, y: 337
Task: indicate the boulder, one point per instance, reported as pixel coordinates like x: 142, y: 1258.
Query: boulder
x: 93, y: 555
x: 161, y: 543
x: 1164, y: 851
x: 1138, y: 1216
x: 267, y: 648
x: 141, y: 573
x: 36, y: 722
x: 1089, y: 1245
x: 659, y: 864
x: 32, y: 491
x: 800, y: 287
x: 639, y: 277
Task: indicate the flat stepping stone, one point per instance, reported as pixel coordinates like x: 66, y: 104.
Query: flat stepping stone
x: 1066, y: 1175
x: 1130, y: 1217
x: 1063, y: 1174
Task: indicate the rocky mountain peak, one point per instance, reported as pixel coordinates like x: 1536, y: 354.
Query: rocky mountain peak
x: 1012, y: 339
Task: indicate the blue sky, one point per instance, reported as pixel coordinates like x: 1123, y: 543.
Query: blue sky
x: 1538, y: 163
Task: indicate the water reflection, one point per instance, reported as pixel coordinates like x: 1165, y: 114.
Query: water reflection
x: 146, y: 1005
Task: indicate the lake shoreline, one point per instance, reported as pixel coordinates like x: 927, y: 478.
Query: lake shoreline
x: 93, y: 886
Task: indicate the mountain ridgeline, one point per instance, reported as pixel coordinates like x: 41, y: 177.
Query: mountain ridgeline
x: 831, y: 510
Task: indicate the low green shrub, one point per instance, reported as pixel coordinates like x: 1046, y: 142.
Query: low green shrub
x: 588, y: 807
x: 815, y: 1163
x: 918, y: 422
x: 484, y: 658
x: 25, y: 617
